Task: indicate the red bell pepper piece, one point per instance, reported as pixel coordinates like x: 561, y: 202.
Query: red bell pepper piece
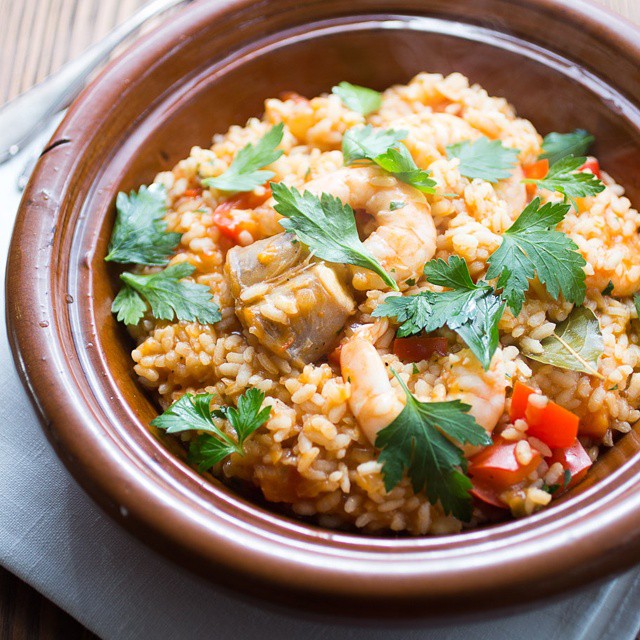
x: 497, y: 466
x: 593, y: 165
x: 535, y: 171
x: 553, y: 424
x: 574, y: 459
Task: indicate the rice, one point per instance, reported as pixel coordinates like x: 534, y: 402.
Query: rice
x: 311, y: 456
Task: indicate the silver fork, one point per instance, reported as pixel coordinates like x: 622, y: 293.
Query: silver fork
x: 23, y: 117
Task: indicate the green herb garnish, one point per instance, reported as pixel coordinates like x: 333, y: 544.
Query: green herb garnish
x: 167, y: 295
x: 193, y: 413
x: 419, y: 441
x: 246, y: 171
x: 563, y: 177
x: 383, y: 147
x: 557, y: 146
x: 366, y: 143
x: 532, y: 246
x: 139, y: 234
x: 394, y: 206
x: 608, y: 290
x: 398, y: 162
x: 356, y: 98
x: 576, y: 344
x: 483, y: 158
x: 327, y: 226
x: 471, y: 310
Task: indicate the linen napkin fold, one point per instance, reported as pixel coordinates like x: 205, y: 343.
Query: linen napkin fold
x: 56, y: 539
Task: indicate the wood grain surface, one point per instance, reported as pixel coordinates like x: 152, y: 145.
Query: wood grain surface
x: 36, y: 38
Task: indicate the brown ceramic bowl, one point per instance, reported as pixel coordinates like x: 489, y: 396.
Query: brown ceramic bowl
x: 562, y: 63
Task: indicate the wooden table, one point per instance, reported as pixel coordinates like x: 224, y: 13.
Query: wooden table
x: 38, y: 36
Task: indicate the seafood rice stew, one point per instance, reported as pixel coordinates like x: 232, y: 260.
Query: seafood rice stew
x: 403, y: 311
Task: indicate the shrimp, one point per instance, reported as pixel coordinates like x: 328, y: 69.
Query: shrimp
x: 375, y: 404
x: 606, y: 232
x: 484, y: 391
x: 373, y: 401
x: 404, y: 240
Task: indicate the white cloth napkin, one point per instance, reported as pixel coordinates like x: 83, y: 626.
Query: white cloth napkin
x: 55, y: 538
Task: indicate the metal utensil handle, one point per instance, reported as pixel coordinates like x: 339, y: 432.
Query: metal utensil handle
x: 24, y: 116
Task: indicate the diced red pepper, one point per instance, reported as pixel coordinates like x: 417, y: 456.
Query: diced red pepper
x: 553, y: 424
x: 230, y: 217
x: 593, y: 165
x: 497, y: 465
x: 417, y: 348
x: 519, y: 400
x: 535, y: 171
x: 573, y: 459
x: 487, y: 494
x: 193, y: 193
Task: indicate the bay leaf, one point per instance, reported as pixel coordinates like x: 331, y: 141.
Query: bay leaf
x: 576, y: 344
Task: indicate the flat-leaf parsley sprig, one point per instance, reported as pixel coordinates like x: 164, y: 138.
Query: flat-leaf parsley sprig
x: 327, y: 226
x: 168, y: 296
x: 193, y: 413
x: 140, y: 234
x: 483, y: 158
x: 557, y: 146
x: 383, y: 148
x: 247, y: 168
x: 563, y: 177
x: 472, y: 310
x: 420, y: 441
x: 531, y: 246
x: 359, y: 99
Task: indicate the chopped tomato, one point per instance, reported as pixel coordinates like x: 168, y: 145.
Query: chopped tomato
x: 535, y: 171
x: 497, y: 465
x: 231, y: 216
x: 519, y: 400
x: 593, y: 165
x: 193, y: 193
x: 487, y: 494
x: 574, y: 459
x: 553, y: 424
x: 416, y: 348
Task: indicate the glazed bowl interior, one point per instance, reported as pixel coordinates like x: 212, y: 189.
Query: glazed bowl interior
x: 143, y: 115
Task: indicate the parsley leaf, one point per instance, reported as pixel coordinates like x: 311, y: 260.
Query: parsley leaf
x: 139, y: 234
x: 636, y: 302
x: 193, y: 413
x: 245, y: 173
x: 483, y: 158
x: 327, y: 227
x: 608, y: 290
x: 419, y: 441
x: 471, y: 310
x: 356, y: 98
x: 248, y: 416
x: 366, y: 143
x: 532, y: 245
x: 557, y: 146
x: 383, y: 147
x: 399, y: 163
x: 564, y: 178
x: 396, y: 204
x: 167, y: 295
